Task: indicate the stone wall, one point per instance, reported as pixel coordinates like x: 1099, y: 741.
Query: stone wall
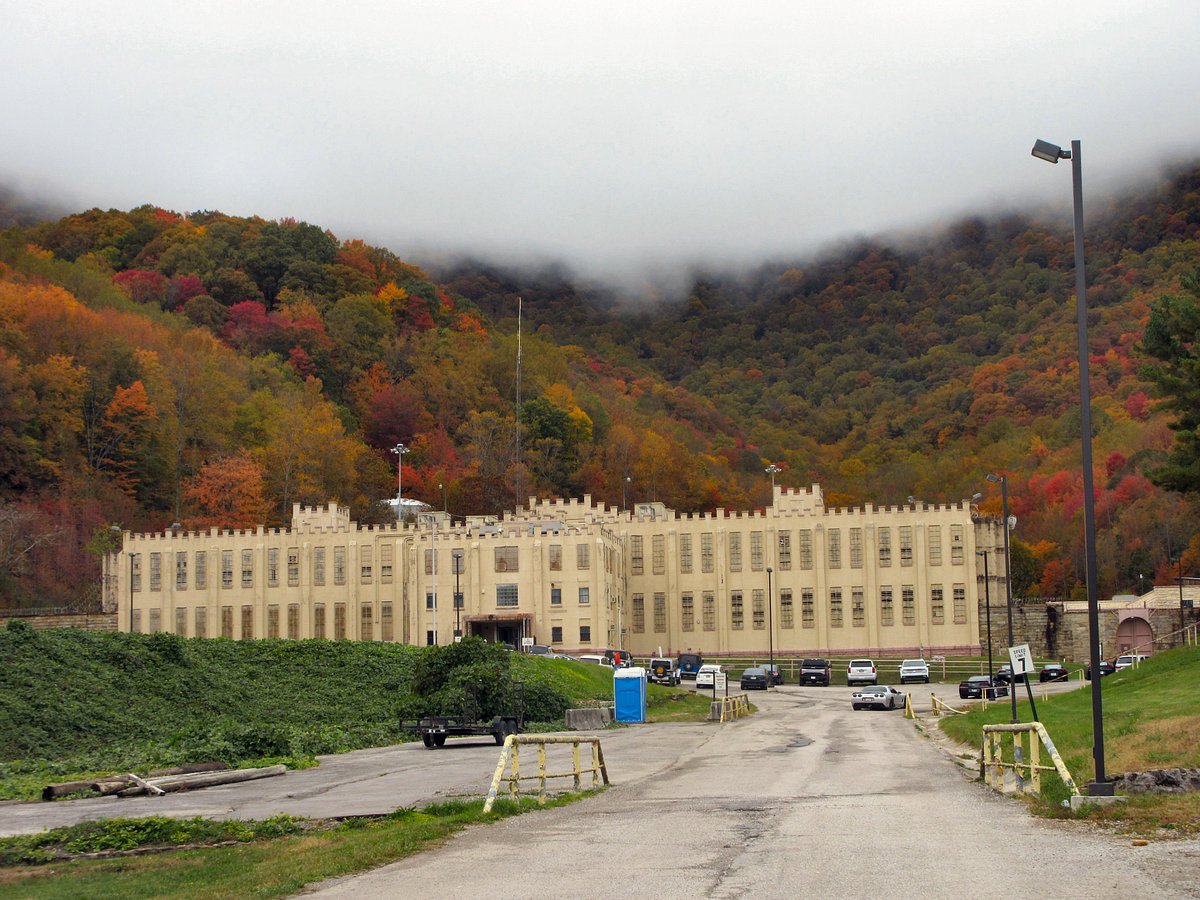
x: 87, y: 622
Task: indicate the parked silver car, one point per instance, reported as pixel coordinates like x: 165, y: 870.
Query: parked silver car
x: 914, y: 670
x: 879, y: 696
x: 862, y: 671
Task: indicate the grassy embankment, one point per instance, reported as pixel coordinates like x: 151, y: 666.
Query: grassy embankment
x: 1151, y: 721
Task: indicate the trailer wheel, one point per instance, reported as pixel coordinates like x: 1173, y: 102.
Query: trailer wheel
x: 439, y: 740
x: 504, y: 730
x: 427, y: 740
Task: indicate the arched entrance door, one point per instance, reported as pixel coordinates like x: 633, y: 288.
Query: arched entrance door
x: 1135, y: 634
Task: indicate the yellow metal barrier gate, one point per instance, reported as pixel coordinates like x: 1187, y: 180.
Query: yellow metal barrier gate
x: 511, y: 752
x: 734, y: 707
x: 993, y: 764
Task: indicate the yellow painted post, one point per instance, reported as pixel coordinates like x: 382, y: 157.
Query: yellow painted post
x: 500, y: 766
x: 1035, y: 772
x: 514, y: 785
x: 937, y: 705
x: 596, y: 764
x: 575, y: 761
x: 998, y: 759
x: 542, y: 773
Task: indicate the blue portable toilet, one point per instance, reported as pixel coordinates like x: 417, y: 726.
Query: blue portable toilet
x: 629, y: 695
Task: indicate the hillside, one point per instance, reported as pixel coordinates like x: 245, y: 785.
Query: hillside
x: 158, y: 367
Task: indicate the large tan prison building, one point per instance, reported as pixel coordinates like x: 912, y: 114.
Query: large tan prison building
x: 582, y: 576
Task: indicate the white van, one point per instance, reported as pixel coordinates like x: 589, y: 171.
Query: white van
x: 1129, y: 660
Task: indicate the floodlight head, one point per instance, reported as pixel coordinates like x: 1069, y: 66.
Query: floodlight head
x: 993, y: 478
x: 1051, y: 153
x: 976, y: 497
x: 912, y: 499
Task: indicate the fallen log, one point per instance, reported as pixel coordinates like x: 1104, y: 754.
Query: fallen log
x: 111, y: 785
x: 54, y: 791
x: 189, y: 769
x: 172, y: 783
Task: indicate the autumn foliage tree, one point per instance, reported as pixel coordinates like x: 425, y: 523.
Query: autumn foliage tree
x: 229, y: 492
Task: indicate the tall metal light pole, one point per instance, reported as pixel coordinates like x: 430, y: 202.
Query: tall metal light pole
x: 987, y: 600
x: 1003, y: 479
x: 771, y: 623
x: 458, y: 597
x: 400, y: 450
x: 772, y: 470
x: 445, y: 504
x: 624, y: 491
x: 1052, y: 153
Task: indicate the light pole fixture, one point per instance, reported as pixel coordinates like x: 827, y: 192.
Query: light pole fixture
x: 400, y: 450
x: 770, y: 626
x: 445, y: 505
x: 987, y: 600
x: 624, y: 493
x: 772, y: 470
x: 1003, y: 481
x: 1052, y: 153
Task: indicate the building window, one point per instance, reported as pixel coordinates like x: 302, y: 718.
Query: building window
x: 273, y: 620
x: 365, y: 564
x: 201, y: 622
x: 430, y: 638
x: 804, y: 548
x: 808, y: 617
x: 585, y: 596
x: 506, y: 595
x: 685, y: 554
x: 833, y: 538
x: 181, y: 570
x: 960, y: 604
x: 658, y: 553
x: 706, y: 552
x: 937, y: 605
x: 429, y: 598
x: 385, y: 564
x: 247, y: 623
x: 319, y: 621
x: 583, y: 556
x: 136, y: 627
x: 339, y: 565
x: 429, y: 561
x: 660, y: 613
x: 457, y: 566
x: 155, y: 621
x: 857, y: 612
x: 507, y: 559
x: 756, y: 551
x: 735, y: 552
x: 387, y: 627
x: 181, y: 621
x: 909, y: 605
x: 638, y: 606
x: 156, y: 572
x: 226, y: 568
x: 293, y: 622
x: 273, y: 567
x: 636, y: 559
x: 785, y: 551
x: 687, y: 614
x: 201, y: 570
x: 835, y: 607
x: 247, y: 568
x: 906, y: 545
x: 227, y: 622
x: 367, y: 624
x: 556, y: 634
x: 319, y: 566
x: 856, y: 548
x: 708, y: 610
x: 886, y: 612
x: 339, y: 621
x: 135, y: 572
x: 758, y: 609
x: 884, y: 537
x: 786, y: 613
x: 556, y: 596
x: 735, y: 611
x: 293, y: 560
x: 585, y: 634
x: 933, y: 539
x: 956, y: 544
x: 555, y: 557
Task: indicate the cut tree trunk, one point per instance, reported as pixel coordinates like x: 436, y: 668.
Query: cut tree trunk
x: 171, y: 783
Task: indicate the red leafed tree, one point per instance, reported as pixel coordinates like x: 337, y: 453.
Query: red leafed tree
x: 143, y: 286
x: 124, y: 431
x: 229, y: 493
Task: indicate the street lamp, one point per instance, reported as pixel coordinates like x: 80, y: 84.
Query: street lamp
x: 400, y: 450
x: 624, y: 492
x: 770, y: 625
x: 1003, y: 480
x: 1052, y: 153
x: 458, y: 597
x: 445, y: 505
x: 772, y: 470
x: 987, y: 599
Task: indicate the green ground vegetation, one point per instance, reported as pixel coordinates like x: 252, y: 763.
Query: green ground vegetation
x: 1150, y: 722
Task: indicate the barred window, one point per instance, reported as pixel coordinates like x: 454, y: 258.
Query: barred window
x: 339, y: 565
x: 956, y: 545
x: 756, y: 551
x: 293, y: 621
x: 201, y: 622
x: 906, y: 545
x: 339, y: 621
x: 226, y: 568
x: 736, y: 611
x: 639, y: 613
x: 785, y: 551
x: 156, y: 571
x: 247, y: 568
x: 807, y: 615
x: 227, y: 622
x: 506, y: 595
x: 273, y: 620
x: 181, y: 621
x: 804, y: 548
x: 201, y: 569
x: 181, y: 570
x: 658, y: 553
x: 937, y: 605
x: 585, y: 596
x: 136, y: 627
x: 886, y: 612
x: 709, y: 610
x: 687, y: 614
x: 786, y: 613
x: 365, y: 564
x: 583, y: 556
x: 908, y: 603
x: 319, y: 621
x: 387, y: 626
x: 884, y: 538
x: 856, y: 545
x: 319, y: 566
x: 555, y: 557
x: 857, y: 611
x: 272, y: 567
x: 636, y: 557
x: 135, y: 571
x: 835, y: 607
x: 293, y: 563
x: 431, y: 561
x: 833, y: 538
x: 507, y: 559
x: 385, y: 565
x: 758, y: 609
x: 367, y: 624
x: 685, y: 554
x: 706, y: 552
x: 247, y: 623
x: 735, y: 551
x: 933, y: 539
x: 960, y: 604
x: 457, y: 567
x: 155, y: 621
x: 660, y: 613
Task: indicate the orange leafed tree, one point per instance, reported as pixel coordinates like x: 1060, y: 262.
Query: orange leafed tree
x: 229, y: 492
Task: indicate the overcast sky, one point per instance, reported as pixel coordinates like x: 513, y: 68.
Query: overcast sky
x: 615, y: 136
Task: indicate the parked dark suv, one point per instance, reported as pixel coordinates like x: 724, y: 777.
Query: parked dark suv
x: 689, y: 664
x: 815, y: 671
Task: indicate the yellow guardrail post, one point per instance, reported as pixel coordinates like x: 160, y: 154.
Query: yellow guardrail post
x: 994, y: 764
x: 510, y: 758
x: 577, y: 771
x: 909, y: 712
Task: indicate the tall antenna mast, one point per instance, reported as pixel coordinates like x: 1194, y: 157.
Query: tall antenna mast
x: 519, y: 302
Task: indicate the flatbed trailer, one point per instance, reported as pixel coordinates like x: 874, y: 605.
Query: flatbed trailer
x: 435, y: 729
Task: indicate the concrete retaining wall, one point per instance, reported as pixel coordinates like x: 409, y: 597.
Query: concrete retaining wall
x: 87, y: 622
x: 589, y: 719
